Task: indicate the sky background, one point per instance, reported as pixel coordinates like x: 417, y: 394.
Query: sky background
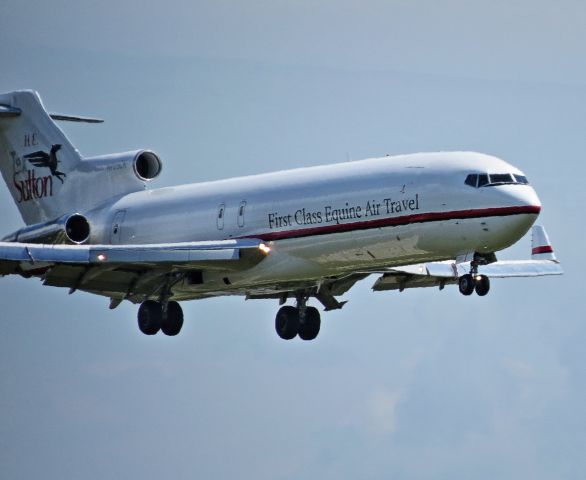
x: 418, y: 385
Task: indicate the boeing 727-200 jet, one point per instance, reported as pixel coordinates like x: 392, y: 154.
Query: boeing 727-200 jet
x: 420, y: 220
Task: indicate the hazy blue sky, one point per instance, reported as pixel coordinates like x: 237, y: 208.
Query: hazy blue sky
x: 419, y: 385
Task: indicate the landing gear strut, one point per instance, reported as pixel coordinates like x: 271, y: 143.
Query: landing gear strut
x: 300, y: 320
x: 165, y: 316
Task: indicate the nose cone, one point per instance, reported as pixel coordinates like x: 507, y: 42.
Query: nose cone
x: 520, y: 198
x: 520, y: 207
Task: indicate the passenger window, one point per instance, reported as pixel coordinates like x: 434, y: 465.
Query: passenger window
x: 471, y: 179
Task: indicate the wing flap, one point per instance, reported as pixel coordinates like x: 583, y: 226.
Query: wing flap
x: 401, y: 281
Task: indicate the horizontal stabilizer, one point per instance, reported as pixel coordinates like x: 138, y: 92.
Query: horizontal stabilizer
x: 7, y: 111
x: 75, y: 118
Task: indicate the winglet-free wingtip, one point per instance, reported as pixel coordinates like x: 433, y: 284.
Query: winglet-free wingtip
x: 541, y: 248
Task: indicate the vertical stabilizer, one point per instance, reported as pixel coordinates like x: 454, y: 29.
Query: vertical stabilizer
x: 35, y: 158
x: 541, y: 248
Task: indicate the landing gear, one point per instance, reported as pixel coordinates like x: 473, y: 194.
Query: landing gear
x: 309, y: 327
x: 482, y: 285
x: 287, y: 322
x: 301, y: 320
x: 472, y: 281
x: 172, y: 322
x: 154, y: 316
x: 150, y: 315
x: 466, y: 284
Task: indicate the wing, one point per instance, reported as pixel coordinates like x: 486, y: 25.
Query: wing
x: 126, y: 271
x: 438, y: 274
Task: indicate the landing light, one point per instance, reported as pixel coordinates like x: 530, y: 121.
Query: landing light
x: 478, y: 278
x: 102, y: 257
x: 263, y: 247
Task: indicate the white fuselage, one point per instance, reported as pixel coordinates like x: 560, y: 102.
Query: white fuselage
x: 335, y: 219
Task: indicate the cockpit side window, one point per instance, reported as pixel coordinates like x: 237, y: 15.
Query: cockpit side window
x: 521, y: 179
x: 471, y: 179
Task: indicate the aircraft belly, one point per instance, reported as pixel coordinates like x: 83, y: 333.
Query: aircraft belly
x: 405, y: 244
x: 306, y: 260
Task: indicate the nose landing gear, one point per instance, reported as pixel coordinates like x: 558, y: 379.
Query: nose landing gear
x: 482, y: 285
x: 474, y: 282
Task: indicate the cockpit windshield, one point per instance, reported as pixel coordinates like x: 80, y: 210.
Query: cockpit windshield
x: 478, y: 180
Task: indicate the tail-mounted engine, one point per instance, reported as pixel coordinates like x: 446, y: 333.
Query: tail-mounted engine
x: 146, y: 165
x: 72, y: 228
x: 142, y: 165
x: 119, y: 174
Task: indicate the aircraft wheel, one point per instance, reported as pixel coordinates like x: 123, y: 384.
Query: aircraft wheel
x: 171, y: 323
x: 150, y: 315
x: 466, y: 284
x: 287, y: 322
x: 482, y: 285
x: 309, y: 328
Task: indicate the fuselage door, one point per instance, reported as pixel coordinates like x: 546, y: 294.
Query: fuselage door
x: 241, y: 210
x: 116, y: 232
x: 220, y: 217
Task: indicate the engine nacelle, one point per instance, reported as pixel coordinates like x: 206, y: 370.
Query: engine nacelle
x: 71, y: 228
x: 142, y: 165
x: 109, y: 176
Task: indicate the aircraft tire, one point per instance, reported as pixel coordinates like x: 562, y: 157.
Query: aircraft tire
x: 149, y: 317
x: 287, y: 322
x: 482, y: 285
x: 466, y: 284
x: 309, y: 328
x: 171, y: 323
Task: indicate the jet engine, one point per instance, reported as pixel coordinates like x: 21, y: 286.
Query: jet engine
x: 71, y: 228
x: 142, y: 165
x: 146, y: 165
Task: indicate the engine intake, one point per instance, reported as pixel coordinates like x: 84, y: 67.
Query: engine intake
x: 77, y: 228
x: 147, y: 165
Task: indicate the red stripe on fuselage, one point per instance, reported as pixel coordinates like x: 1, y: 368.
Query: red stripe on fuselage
x: 544, y: 249
x: 396, y: 221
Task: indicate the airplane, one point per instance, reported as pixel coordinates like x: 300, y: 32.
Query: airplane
x: 416, y: 220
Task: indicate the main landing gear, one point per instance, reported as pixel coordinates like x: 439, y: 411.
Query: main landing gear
x: 165, y: 316
x: 300, y: 320
x: 474, y: 282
